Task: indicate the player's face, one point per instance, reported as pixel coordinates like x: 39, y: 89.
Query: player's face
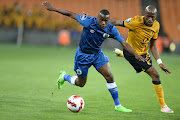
x: 103, y: 20
x: 149, y: 18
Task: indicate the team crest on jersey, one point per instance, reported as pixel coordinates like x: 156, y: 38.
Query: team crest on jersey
x: 128, y: 20
x: 105, y: 35
x: 78, y: 71
x: 92, y: 31
x: 83, y: 17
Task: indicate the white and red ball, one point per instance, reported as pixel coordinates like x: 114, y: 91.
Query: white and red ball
x: 75, y: 103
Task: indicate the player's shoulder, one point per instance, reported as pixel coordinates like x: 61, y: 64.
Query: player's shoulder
x: 111, y: 27
x: 85, y: 17
x: 156, y: 24
x: 135, y: 20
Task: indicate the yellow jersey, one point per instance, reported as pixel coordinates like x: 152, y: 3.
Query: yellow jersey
x: 139, y: 34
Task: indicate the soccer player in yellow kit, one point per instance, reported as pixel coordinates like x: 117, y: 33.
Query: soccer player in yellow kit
x: 142, y: 30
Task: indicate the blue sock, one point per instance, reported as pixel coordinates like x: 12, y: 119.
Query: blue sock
x: 70, y: 79
x: 114, y: 92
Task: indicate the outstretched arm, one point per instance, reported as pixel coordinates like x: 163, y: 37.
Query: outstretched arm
x: 155, y: 53
x: 49, y: 7
x: 130, y: 50
x: 117, y: 22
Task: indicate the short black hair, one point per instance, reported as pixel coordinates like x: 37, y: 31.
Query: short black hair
x: 104, y: 12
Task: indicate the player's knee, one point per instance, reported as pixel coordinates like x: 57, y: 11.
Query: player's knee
x: 82, y: 85
x: 156, y: 76
x: 109, y: 78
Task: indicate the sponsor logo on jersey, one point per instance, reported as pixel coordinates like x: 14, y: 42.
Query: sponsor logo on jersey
x: 78, y: 71
x: 128, y: 20
x: 105, y: 35
x: 83, y: 17
x: 92, y: 31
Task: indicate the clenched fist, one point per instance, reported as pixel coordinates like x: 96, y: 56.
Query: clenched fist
x: 48, y: 6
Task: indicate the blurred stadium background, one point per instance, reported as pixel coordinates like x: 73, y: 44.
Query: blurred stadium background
x: 27, y: 22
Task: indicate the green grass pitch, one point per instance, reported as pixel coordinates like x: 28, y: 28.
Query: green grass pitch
x: 28, y: 89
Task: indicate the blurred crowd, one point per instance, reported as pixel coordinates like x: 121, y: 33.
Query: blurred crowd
x: 35, y: 18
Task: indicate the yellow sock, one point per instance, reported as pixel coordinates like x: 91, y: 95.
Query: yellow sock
x: 160, y: 94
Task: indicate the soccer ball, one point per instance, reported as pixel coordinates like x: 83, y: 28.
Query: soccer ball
x: 75, y: 103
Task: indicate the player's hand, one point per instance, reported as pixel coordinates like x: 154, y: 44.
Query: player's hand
x: 48, y: 6
x: 118, y: 52
x: 140, y: 58
x: 84, y: 13
x: 164, y: 69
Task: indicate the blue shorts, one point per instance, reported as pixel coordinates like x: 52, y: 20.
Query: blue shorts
x: 83, y: 62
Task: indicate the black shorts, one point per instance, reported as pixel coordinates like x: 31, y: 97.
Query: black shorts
x: 138, y: 65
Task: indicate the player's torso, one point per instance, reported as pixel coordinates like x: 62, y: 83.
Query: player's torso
x: 93, y: 36
x: 140, y: 36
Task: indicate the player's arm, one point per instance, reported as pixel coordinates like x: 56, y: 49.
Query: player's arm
x: 155, y: 53
x: 130, y: 50
x: 49, y: 7
x: 117, y: 22
x: 116, y: 35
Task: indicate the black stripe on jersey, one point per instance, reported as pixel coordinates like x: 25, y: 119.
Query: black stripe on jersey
x: 153, y: 39
x: 123, y: 24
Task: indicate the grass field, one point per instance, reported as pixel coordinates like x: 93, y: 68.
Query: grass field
x: 28, y: 88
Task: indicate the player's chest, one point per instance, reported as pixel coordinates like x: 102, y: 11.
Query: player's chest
x: 98, y: 33
x: 145, y: 32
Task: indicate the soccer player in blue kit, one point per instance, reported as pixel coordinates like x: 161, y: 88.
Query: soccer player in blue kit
x: 95, y: 31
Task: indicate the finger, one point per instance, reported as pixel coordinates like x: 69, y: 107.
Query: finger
x: 168, y: 71
x: 84, y: 13
x: 142, y: 59
x: 44, y: 3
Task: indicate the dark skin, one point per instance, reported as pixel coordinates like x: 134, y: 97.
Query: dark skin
x: 149, y: 18
x: 102, y: 21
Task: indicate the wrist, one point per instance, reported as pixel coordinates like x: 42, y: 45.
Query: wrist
x: 53, y: 9
x: 159, y: 61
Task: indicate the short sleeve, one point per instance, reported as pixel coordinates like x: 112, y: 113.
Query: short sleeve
x: 129, y: 23
x: 84, y: 20
x: 116, y: 35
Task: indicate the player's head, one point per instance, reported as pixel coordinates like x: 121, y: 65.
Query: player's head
x: 150, y: 15
x: 103, y: 18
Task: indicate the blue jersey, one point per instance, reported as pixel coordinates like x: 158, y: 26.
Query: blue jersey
x: 93, y: 35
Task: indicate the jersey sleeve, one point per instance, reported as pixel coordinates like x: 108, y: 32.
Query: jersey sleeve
x: 130, y: 23
x: 84, y: 20
x: 156, y: 33
x: 116, y: 35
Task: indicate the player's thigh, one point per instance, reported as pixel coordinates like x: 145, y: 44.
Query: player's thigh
x: 153, y: 73
x: 138, y: 65
x: 81, y: 63
x: 102, y: 66
x: 105, y: 70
